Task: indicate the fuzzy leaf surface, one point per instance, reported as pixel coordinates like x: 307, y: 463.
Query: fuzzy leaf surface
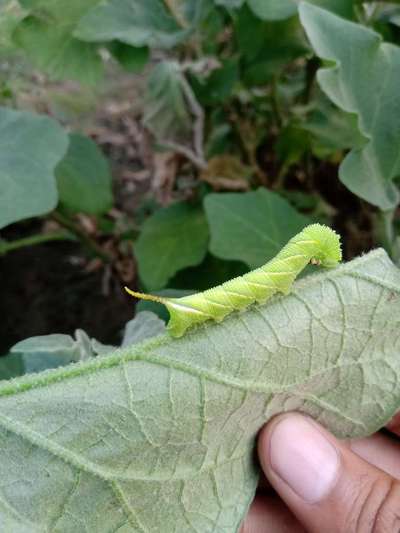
x: 365, y: 80
x: 160, y: 436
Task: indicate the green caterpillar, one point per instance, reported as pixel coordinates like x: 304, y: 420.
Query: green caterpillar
x: 317, y: 244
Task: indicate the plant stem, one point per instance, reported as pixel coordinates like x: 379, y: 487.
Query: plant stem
x: 276, y: 108
x: 385, y: 230
x: 87, y: 241
x: 311, y: 70
x: 6, y: 247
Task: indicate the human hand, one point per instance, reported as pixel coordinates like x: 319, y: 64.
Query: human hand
x: 325, y: 485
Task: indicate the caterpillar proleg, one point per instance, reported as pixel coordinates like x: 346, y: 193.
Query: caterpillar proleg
x: 317, y: 244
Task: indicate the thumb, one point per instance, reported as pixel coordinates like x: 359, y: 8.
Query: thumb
x: 326, y: 485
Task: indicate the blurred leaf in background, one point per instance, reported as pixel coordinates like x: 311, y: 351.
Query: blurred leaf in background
x: 172, y: 239
x: 133, y: 22
x: 11, y: 13
x: 166, y: 111
x: 46, y: 36
x: 266, y: 47
x: 11, y: 366
x: 365, y: 80
x: 251, y: 227
x: 132, y: 58
x: 30, y: 148
x: 84, y: 178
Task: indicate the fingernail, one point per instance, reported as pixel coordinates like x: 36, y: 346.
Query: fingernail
x: 302, y: 457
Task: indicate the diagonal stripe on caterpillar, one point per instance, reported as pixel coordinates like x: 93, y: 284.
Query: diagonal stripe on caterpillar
x: 317, y: 244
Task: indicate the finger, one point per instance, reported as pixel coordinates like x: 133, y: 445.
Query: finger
x: 394, y: 425
x: 268, y: 514
x: 327, y: 486
x: 380, y: 451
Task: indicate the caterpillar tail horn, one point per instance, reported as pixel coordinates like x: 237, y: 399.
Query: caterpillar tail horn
x: 143, y: 296
x: 179, y: 321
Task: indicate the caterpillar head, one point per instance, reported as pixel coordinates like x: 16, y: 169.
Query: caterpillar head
x: 328, y: 250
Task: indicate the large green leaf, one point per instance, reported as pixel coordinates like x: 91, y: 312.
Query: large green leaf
x: 133, y: 22
x: 160, y: 437
x: 57, y: 52
x: 46, y: 38
x: 172, y: 239
x: 251, y: 227
x: 84, y: 178
x: 282, y: 9
x: 30, y: 148
x: 365, y: 79
x: 273, y: 9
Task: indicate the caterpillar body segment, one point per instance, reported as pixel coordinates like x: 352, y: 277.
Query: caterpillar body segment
x: 316, y: 243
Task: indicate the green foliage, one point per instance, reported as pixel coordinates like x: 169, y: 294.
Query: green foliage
x: 365, y: 82
x: 273, y: 9
x: 252, y: 111
x: 132, y: 58
x: 11, y: 13
x: 30, y: 148
x: 230, y: 4
x: 90, y: 434
x: 46, y: 37
x: 246, y: 227
x: 50, y: 351
x: 332, y: 129
x: 283, y: 9
x: 133, y: 22
x: 266, y: 47
x: 11, y: 366
x: 83, y: 177
x: 173, y: 238
x: 57, y: 53
x: 166, y: 113
x: 219, y: 86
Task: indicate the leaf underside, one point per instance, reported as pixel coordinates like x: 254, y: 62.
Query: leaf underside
x: 160, y: 437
